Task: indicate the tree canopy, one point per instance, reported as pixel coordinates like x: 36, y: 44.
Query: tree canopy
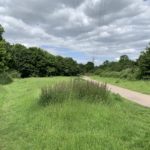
x: 144, y: 63
x: 1, y: 32
x: 4, y: 55
x: 33, y: 61
x: 36, y: 62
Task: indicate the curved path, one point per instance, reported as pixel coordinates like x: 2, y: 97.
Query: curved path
x: 133, y: 96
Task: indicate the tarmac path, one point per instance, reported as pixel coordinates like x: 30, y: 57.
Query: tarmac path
x: 139, y: 98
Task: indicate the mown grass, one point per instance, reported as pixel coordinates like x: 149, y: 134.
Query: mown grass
x: 137, y: 85
x: 71, y: 125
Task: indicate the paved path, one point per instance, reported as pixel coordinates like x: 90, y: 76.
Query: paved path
x: 133, y: 96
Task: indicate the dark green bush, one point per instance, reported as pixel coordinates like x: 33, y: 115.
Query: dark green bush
x: 74, y: 89
x: 130, y: 73
x: 14, y: 74
x: 5, y: 78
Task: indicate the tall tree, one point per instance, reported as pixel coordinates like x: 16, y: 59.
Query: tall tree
x: 1, y: 32
x: 4, y: 52
x: 66, y: 66
x: 4, y: 55
x: 89, y: 67
x: 32, y: 61
x: 144, y: 63
x: 125, y: 63
x: 71, y: 67
x: 124, y: 58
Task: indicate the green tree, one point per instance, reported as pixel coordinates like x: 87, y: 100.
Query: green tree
x: 35, y: 61
x: 66, y: 66
x: 106, y: 63
x: 1, y: 32
x: 125, y: 63
x: 89, y: 67
x: 71, y: 67
x: 124, y: 58
x: 4, y: 52
x: 32, y: 61
x: 82, y: 69
x: 4, y: 55
x: 144, y: 63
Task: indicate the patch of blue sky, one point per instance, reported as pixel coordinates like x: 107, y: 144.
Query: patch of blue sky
x: 80, y: 57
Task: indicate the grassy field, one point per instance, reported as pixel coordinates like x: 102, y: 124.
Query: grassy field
x: 140, y: 86
x: 71, y: 125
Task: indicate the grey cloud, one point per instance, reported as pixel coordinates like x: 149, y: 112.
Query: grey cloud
x: 95, y: 27
x: 103, y: 7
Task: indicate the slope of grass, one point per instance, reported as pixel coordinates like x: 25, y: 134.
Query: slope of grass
x: 71, y: 125
x: 139, y: 86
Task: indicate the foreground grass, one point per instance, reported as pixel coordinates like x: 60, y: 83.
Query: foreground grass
x: 71, y: 125
x: 139, y: 86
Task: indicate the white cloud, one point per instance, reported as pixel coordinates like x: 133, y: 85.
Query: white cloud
x: 117, y: 59
x: 94, y: 27
x: 127, y: 51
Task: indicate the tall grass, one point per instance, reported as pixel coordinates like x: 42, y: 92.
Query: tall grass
x: 74, y: 89
x: 5, y: 78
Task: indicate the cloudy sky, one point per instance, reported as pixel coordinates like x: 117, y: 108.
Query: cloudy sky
x: 82, y: 29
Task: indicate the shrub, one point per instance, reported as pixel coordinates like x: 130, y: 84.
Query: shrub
x: 129, y: 73
x: 15, y: 74
x: 5, y: 78
x: 107, y: 73
x: 74, y: 89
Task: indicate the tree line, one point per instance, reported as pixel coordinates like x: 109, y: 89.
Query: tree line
x: 35, y: 62
x: 126, y: 68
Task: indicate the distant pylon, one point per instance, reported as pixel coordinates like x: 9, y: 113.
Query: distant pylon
x: 93, y: 60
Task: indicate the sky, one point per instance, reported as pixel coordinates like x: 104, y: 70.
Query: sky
x: 82, y: 29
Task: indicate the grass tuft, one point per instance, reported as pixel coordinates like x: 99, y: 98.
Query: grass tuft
x: 74, y: 89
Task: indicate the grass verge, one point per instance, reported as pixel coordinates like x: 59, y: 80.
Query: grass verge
x: 138, y: 85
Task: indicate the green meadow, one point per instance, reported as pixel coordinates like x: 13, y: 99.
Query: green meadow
x: 71, y: 125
